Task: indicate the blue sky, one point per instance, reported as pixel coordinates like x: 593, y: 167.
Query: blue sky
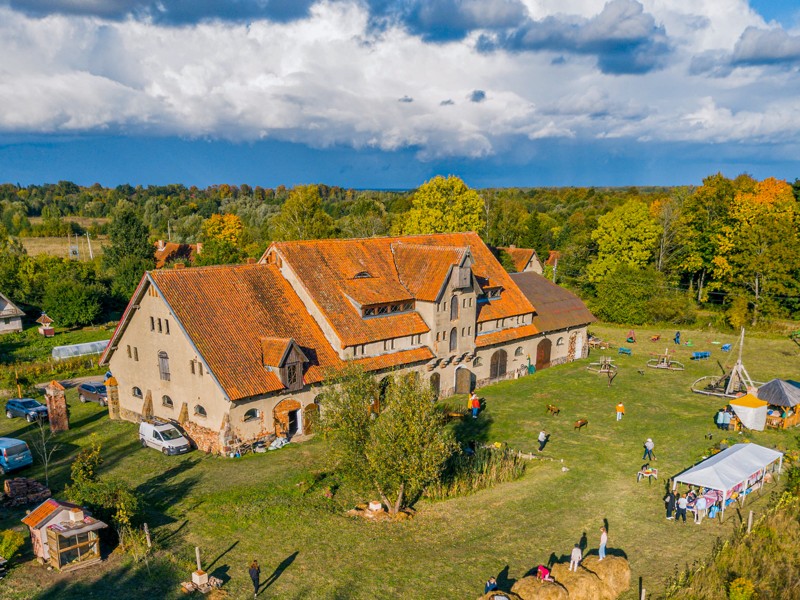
x: 386, y: 94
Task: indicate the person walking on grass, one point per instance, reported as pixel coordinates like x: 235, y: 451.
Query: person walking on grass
x: 700, y: 509
x: 603, y: 542
x: 575, y: 558
x: 476, y: 405
x: 543, y: 437
x: 620, y: 410
x: 682, y: 503
x: 255, y: 575
x: 648, y: 450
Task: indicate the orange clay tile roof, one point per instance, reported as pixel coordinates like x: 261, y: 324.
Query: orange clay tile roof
x: 423, y: 268
x: 44, y: 510
x: 552, y: 258
x: 325, y: 268
x: 519, y: 256
x: 505, y: 335
x: 227, y: 311
x: 173, y: 251
x: 273, y: 350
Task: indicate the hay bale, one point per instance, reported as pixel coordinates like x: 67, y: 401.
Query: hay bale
x: 499, y: 596
x: 581, y: 584
x: 530, y: 588
x: 614, y: 571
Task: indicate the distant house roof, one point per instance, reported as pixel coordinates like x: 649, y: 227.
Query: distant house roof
x: 8, y: 309
x: 552, y: 258
x: 172, y: 252
x: 556, y: 307
x: 521, y: 257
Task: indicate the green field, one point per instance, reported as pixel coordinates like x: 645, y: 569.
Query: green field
x: 272, y: 506
x: 58, y: 246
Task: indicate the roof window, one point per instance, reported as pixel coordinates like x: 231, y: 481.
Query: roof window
x: 362, y: 275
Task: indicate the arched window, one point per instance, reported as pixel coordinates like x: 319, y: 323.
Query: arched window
x: 560, y: 341
x: 435, y: 383
x: 137, y: 392
x: 497, y: 366
x: 167, y: 401
x: 252, y: 415
x: 453, y: 339
x: 477, y: 362
x: 163, y: 365
x: 519, y: 351
x: 453, y: 308
x: 199, y: 411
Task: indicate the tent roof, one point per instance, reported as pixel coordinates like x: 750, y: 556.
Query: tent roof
x: 749, y: 401
x: 734, y: 465
x: 780, y: 393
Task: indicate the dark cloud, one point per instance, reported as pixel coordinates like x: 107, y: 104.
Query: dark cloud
x: 406, y: 99
x: 446, y: 20
x: 477, y: 96
x: 766, y: 47
x: 447, y: 102
x: 622, y: 36
x: 170, y: 12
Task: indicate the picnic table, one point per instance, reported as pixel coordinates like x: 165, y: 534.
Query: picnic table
x: 650, y: 473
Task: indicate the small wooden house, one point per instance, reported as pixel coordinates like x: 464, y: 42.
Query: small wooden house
x: 63, y: 535
x: 46, y: 325
x: 10, y: 316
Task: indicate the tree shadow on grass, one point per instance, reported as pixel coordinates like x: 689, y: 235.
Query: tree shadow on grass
x: 162, y: 491
x: 468, y: 429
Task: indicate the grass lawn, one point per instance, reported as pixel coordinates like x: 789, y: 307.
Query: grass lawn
x: 271, y: 507
x: 29, y: 345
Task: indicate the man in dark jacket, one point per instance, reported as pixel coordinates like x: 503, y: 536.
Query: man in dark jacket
x: 255, y: 574
x: 669, y: 502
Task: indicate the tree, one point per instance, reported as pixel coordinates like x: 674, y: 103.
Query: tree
x: 444, y: 205
x: 71, y: 303
x: 625, y: 236
x: 623, y: 296
x: 129, y: 238
x: 667, y: 213
x: 222, y: 240
x: 302, y: 217
x: 42, y: 442
x: 396, y: 453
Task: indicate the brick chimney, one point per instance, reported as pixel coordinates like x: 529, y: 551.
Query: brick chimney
x: 251, y: 260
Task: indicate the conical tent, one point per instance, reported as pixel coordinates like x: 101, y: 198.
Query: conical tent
x: 751, y: 411
x: 780, y: 393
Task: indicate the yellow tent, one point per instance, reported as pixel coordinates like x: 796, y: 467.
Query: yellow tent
x: 751, y: 411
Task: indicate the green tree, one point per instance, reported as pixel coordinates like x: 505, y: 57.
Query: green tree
x: 128, y: 237
x: 222, y: 237
x: 71, y: 303
x: 396, y: 453
x: 625, y: 236
x: 302, y: 217
x: 444, y: 205
x: 624, y: 295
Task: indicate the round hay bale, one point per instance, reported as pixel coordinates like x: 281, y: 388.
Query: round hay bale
x: 614, y: 571
x: 498, y: 595
x: 581, y: 584
x: 530, y: 588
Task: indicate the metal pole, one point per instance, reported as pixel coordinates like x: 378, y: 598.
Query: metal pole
x: 750, y: 522
x: 89, y: 241
x: 555, y: 268
x: 197, y: 554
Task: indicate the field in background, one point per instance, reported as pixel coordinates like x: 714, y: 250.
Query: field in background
x: 59, y: 246
x: 272, y: 506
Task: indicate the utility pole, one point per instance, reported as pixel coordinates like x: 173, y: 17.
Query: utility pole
x: 555, y: 268
x: 89, y: 241
x: 169, y: 232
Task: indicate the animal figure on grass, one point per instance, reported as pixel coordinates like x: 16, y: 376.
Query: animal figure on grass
x: 580, y: 424
x: 553, y: 410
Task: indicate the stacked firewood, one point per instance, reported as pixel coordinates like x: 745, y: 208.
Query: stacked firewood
x: 21, y: 490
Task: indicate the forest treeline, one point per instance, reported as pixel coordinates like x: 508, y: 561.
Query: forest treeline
x: 637, y: 254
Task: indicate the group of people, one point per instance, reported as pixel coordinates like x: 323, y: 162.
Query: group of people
x: 677, y: 505
x: 543, y: 572
x: 724, y: 418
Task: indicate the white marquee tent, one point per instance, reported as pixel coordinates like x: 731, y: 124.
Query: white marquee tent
x: 741, y: 464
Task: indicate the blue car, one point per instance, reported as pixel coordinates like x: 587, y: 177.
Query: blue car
x: 26, y: 407
x: 14, y: 454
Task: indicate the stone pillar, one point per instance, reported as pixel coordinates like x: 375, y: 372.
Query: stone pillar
x: 56, y: 406
x: 147, y: 406
x: 112, y: 385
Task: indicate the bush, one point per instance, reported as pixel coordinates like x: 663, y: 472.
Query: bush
x: 72, y: 303
x: 465, y: 474
x: 741, y: 589
x: 623, y: 296
x: 10, y: 542
x: 676, y: 308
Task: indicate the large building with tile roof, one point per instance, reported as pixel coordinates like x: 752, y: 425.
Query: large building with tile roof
x: 244, y: 350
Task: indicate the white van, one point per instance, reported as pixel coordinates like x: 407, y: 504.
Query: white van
x: 163, y: 436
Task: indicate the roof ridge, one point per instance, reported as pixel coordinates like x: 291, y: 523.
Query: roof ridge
x: 374, y: 237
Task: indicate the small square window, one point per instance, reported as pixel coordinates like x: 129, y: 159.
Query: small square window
x: 191, y: 366
x: 135, y: 353
x: 166, y: 326
x: 396, y: 308
x: 129, y: 352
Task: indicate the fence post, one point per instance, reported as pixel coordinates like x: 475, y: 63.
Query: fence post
x: 644, y: 594
x: 750, y: 521
x: 147, y: 535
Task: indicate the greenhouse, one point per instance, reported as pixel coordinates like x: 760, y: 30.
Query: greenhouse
x: 74, y: 350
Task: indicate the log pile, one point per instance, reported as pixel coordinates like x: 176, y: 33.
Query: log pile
x: 21, y: 490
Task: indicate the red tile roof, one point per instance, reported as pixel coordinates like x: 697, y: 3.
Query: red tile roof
x: 552, y: 258
x: 395, y: 359
x: 273, y: 350
x: 519, y: 256
x: 44, y: 510
x: 173, y: 251
x: 399, y: 267
x: 505, y: 335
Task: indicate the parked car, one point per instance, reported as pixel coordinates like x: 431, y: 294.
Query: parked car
x: 93, y: 392
x: 14, y: 454
x: 25, y: 407
x: 163, y: 436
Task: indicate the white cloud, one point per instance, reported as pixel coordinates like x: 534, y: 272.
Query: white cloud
x: 332, y: 79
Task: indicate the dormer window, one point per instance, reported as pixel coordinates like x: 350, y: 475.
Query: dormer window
x: 382, y: 310
x: 369, y: 312
x: 408, y: 306
x: 284, y: 357
x: 362, y: 275
x: 396, y: 308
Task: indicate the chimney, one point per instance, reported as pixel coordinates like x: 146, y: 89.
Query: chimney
x: 178, y: 266
x: 161, y: 245
x: 511, y: 246
x: 199, y: 248
x: 75, y: 515
x: 251, y: 260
